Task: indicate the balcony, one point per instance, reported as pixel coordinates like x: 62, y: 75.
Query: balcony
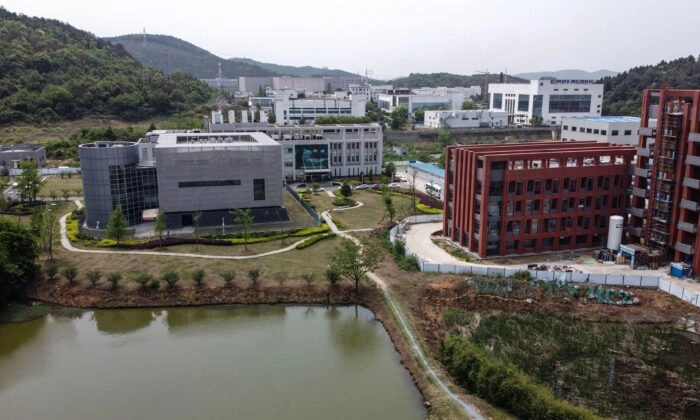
x: 634, y: 211
x: 684, y: 248
x: 641, y: 172
x: 692, y: 160
x: 646, y: 131
x: 643, y: 151
x: 689, y: 205
x: 640, y: 192
x: 694, y: 137
x: 688, y: 227
x: 691, y: 183
x: 480, y: 174
x: 635, y: 231
x: 477, y: 217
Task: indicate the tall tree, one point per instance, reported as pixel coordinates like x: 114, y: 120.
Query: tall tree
x: 354, y: 261
x: 18, y: 259
x: 389, y: 170
x: 196, y: 221
x: 399, y: 117
x: 244, y: 217
x: 445, y: 138
x: 160, y: 226
x: 29, y: 181
x: 44, y: 222
x: 116, y: 228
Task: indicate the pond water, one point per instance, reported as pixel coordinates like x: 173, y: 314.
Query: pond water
x: 244, y: 362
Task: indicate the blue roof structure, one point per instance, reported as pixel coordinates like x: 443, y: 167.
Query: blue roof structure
x: 427, y: 167
x: 611, y: 119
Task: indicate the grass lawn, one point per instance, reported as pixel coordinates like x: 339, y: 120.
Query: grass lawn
x: 292, y: 264
x: 370, y: 214
x: 58, y: 184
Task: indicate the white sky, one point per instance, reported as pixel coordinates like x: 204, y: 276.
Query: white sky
x: 395, y: 38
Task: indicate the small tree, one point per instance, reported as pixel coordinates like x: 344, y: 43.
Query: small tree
x: 315, y: 186
x: 254, y: 275
x: 144, y: 279
x: 93, y: 276
x: 113, y: 278
x: 170, y: 277
x: 245, y: 218
x: 70, y: 272
x: 51, y: 270
x: 228, y: 276
x: 116, y: 228
x: 445, y: 138
x: 536, y: 121
x: 354, y: 261
x: 196, y: 220
x: 389, y: 209
x: 389, y: 170
x: 65, y: 193
x: 197, y: 276
x: 308, y: 278
x: 53, y: 195
x: 280, y: 277
x: 332, y: 275
x: 346, y: 190
x: 160, y: 226
x: 468, y: 104
x: 29, y: 181
x: 78, y: 192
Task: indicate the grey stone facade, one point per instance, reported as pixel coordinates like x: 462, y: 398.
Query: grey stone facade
x: 11, y: 155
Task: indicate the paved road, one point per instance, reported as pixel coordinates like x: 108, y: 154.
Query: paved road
x: 418, y: 240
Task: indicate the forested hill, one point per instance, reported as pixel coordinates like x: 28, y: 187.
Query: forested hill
x: 169, y: 54
x: 623, y: 93
x: 52, y: 71
x: 416, y: 80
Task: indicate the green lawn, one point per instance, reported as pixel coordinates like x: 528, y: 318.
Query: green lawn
x: 57, y: 184
x: 372, y: 211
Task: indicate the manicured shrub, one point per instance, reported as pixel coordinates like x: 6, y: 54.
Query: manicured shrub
x: 228, y: 276
x: 427, y: 210
x: 93, y: 276
x: 170, y: 277
x: 70, y: 272
x: 312, y: 240
x: 113, y: 278
x: 254, y: 275
x: 51, y: 271
x: 197, y: 276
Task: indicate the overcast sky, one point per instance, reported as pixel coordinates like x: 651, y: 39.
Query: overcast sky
x: 395, y: 38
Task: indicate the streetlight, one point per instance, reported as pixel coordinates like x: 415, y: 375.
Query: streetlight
x: 98, y: 225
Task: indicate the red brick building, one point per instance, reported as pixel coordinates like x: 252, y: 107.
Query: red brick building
x: 511, y: 199
x: 665, y: 202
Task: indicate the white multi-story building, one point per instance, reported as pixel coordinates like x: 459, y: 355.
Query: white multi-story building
x: 549, y: 98
x: 360, y: 91
x: 617, y: 130
x: 301, y: 84
x: 293, y: 111
x: 375, y: 90
x: 426, y: 98
x: 465, y: 119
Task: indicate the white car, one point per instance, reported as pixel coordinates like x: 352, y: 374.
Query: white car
x: 395, y: 185
x: 362, y: 187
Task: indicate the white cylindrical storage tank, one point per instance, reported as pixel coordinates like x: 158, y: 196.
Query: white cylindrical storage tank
x: 615, y: 232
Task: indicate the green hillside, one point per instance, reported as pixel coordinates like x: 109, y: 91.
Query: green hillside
x: 416, y: 80
x: 170, y: 54
x: 305, y: 71
x: 52, y: 71
x: 623, y: 93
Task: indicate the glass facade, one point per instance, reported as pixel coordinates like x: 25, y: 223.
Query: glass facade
x: 497, y: 100
x: 537, y: 106
x: 134, y: 189
x: 258, y: 189
x: 311, y: 156
x: 569, y: 103
x: 523, y: 102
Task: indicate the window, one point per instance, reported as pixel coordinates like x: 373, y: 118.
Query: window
x: 258, y: 189
x: 497, y: 100
x: 589, y: 130
x: 581, y: 130
x: 628, y: 132
x: 566, y: 127
x: 596, y: 131
x: 569, y: 103
x: 614, y: 132
x: 604, y: 132
x: 219, y: 183
x: 523, y: 102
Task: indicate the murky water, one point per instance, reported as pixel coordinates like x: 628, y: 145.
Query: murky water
x: 257, y: 362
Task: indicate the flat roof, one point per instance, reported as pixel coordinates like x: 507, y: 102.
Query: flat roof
x: 612, y: 119
x: 214, y: 139
x: 427, y: 167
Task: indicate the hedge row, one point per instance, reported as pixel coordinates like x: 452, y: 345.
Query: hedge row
x: 312, y: 240
x: 503, y: 384
x: 427, y: 210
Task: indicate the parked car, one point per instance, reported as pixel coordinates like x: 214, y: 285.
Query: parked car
x: 395, y: 185
x: 403, y: 178
x: 300, y: 186
x: 362, y: 187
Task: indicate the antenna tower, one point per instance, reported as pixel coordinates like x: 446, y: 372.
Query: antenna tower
x: 145, y: 43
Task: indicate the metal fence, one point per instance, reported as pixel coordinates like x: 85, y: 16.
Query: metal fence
x: 313, y: 213
x: 485, y: 270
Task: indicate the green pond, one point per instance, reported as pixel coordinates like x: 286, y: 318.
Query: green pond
x: 242, y: 362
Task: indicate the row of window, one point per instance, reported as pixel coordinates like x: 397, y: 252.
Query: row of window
x: 551, y: 242
x: 553, y: 205
x: 597, y: 131
x: 566, y: 185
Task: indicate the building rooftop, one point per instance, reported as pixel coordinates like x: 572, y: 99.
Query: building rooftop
x: 427, y: 167
x: 214, y: 139
x: 611, y: 119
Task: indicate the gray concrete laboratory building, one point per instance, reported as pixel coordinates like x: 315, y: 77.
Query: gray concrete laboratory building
x: 184, y: 174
